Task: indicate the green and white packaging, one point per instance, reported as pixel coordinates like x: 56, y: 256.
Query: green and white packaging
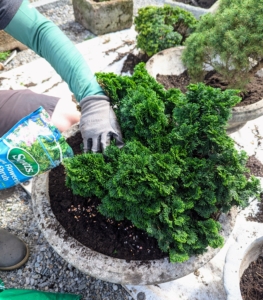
x: 31, y: 147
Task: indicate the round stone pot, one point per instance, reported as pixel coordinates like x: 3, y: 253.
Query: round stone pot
x: 244, y: 251
x: 104, y: 267
x: 168, y: 62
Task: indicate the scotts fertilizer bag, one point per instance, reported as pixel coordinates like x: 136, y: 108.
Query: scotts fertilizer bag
x: 31, y: 147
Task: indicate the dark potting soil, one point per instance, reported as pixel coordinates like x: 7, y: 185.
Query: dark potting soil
x: 80, y: 218
x: 251, y: 283
x: 198, y: 3
x: 255, y: 166
x: 254, y: 89
x: 132, y: 60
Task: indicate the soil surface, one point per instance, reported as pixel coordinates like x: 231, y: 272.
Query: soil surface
x: 132, y: 60
x: 254, y: 89
x: 81, y: 220
x: 251, y: 283
x: 198, y: 3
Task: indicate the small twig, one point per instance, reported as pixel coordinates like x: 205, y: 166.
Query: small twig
x: 259, y: 274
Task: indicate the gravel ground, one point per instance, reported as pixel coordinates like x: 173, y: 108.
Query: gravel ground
x: 46, y: 270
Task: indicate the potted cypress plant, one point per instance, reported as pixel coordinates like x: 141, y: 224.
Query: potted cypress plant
x: 104, y: 16
x: 176, y: 177
x: 233, y: 50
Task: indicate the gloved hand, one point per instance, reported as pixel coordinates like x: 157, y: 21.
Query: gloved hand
x: 98, y: 124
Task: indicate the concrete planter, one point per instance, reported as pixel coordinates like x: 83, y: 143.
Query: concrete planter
x: 196, y: 11
x: 104, y: 17
x: 168, y: 62
x: 104, y: 267
x: 239, y: 256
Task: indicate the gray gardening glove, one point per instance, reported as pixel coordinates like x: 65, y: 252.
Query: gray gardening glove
x: 98, y: 124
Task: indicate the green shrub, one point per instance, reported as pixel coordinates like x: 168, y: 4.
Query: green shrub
x: 227, y: 41
x: 160, y: 28
x: 178, y: 168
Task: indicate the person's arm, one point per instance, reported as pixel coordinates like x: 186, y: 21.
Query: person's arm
x: 46, y: 39
x: 98, y: 123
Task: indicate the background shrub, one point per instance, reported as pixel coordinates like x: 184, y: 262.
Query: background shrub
x: 164, y: 27
x: 228, y: 41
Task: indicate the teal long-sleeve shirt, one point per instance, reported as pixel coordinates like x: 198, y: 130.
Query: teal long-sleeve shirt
x: 41, y: 35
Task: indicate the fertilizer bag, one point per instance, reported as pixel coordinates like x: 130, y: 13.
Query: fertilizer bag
x: 31, y: 147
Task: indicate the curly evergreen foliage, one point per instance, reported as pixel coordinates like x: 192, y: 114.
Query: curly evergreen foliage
x: 227, y: 40
x: 160, y: 28
x: 178, y: 168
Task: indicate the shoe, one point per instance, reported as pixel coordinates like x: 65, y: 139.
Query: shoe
x: 13, y: 251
